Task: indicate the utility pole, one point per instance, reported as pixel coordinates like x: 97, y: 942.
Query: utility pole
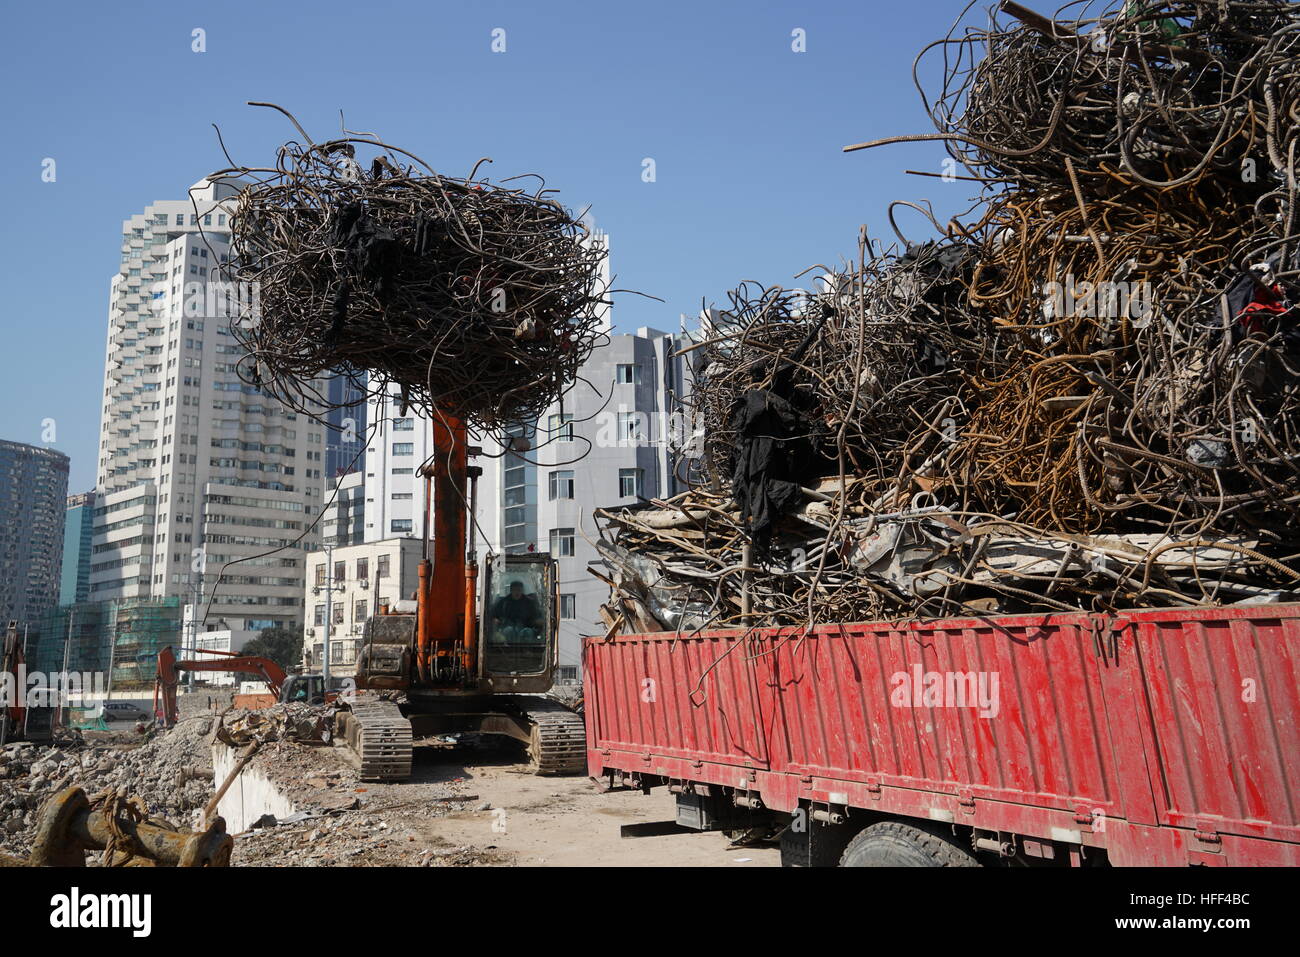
x: 67, y: 649
x: 329, y: 616
x: 196, y: 594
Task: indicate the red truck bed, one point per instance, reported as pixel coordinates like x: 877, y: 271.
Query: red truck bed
x: 1165, y: 737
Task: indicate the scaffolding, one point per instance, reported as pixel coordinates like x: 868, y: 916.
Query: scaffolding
x: 142, y: 627
x: 118, y: 638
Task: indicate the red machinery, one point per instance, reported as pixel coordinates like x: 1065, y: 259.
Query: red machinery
x: 18, y: 722
x: 1145, y: 738
x: 283, y: 687
x: 438, y: 670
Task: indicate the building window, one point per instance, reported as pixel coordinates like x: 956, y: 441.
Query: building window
x: 361, y: 611
x: 363, y: 569
x: 560, y: 427
x: 403, y: 471
x: 628, y: 373
x: 381, y: 567
x: 340, y: 572
x: 320, y: 574
x: 630, y: 482
x: 337, y: 617
x: 561, y: 484
x: 629, y: 427
x: 402, y: 496
x: 400, y: 525
x: 569, y: 607
x: 403, y: 448
x: 562, y: 542
x: 320, y: 615
x: 403, y: 425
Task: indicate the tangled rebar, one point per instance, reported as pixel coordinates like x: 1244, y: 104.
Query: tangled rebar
x: 1085, y: 394
x: 478, y: 299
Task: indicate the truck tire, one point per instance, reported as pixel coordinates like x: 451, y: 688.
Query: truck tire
x: 894, y: 844
x: 816, y: 846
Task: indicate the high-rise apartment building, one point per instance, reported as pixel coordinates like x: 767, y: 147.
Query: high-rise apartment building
x: 197, y: 467
x: 33, y: 496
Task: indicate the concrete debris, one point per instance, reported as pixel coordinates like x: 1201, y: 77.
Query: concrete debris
x: 171, y: 773
x: 301, y: 723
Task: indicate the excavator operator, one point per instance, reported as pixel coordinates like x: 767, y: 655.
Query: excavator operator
x: 516, y: 617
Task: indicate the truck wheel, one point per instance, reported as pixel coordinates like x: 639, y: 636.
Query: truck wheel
x: 893, y: 844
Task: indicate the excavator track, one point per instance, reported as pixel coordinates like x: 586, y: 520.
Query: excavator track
x: 380, y: 736
x: 559, y: 743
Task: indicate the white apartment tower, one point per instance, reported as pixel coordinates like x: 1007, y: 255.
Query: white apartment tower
x: 196, y: 467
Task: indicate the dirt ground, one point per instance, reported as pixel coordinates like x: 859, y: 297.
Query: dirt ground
x: 474, y: 806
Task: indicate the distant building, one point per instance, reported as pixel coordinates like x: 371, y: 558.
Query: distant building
x: 619, y: 437
x: 78, y: 523
x: 345, y: 439
x: 198, y: 468
x: 344, y: 522
x: 360, y: 578
x: 33, y: 499
x: 220, y: 639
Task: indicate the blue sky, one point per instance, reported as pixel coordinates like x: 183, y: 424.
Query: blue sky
x: 744, y: 132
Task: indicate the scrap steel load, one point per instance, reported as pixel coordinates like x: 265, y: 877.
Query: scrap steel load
x: 477, y: 299
x: 1082, y: 395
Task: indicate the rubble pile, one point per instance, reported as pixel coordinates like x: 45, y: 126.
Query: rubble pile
x: 293, y: 721
x: 171, y: 773
x: 1083, y: 395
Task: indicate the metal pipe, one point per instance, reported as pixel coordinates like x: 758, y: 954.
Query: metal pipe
x: 1003, y: 848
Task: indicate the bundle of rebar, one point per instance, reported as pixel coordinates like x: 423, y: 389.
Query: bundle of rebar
x: 1084, y: 394
x: 477, y: 299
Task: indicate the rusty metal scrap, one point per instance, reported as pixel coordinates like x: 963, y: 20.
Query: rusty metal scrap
x: 475, y: 298
x: 1085, y: 393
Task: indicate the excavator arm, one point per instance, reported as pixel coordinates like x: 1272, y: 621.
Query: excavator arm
x: 169, y: 668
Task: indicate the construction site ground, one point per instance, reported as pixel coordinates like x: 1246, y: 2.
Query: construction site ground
x: 470, y: 806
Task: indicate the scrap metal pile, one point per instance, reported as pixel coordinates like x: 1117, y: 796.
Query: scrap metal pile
x: 1083, y: 395
x: 477, y: 299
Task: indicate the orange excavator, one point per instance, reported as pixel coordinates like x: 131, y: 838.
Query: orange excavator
x: 476, y: 652
x: 283, y: 687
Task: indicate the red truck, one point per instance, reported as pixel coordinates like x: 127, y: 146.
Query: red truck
x: 1163, y: 737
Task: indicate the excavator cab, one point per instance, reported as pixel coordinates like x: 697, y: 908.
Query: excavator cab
x: 519, y: 624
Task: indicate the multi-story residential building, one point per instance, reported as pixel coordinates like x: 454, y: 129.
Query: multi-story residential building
x: 355, y: 580
x: 74, y: 581
x: 33, y: 497
x: 620, y: 436
x: 197, y: 467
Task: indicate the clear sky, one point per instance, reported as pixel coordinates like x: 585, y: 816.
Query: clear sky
x: 745, y: 134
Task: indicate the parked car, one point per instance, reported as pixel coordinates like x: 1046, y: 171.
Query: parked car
x: 123, y: 711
